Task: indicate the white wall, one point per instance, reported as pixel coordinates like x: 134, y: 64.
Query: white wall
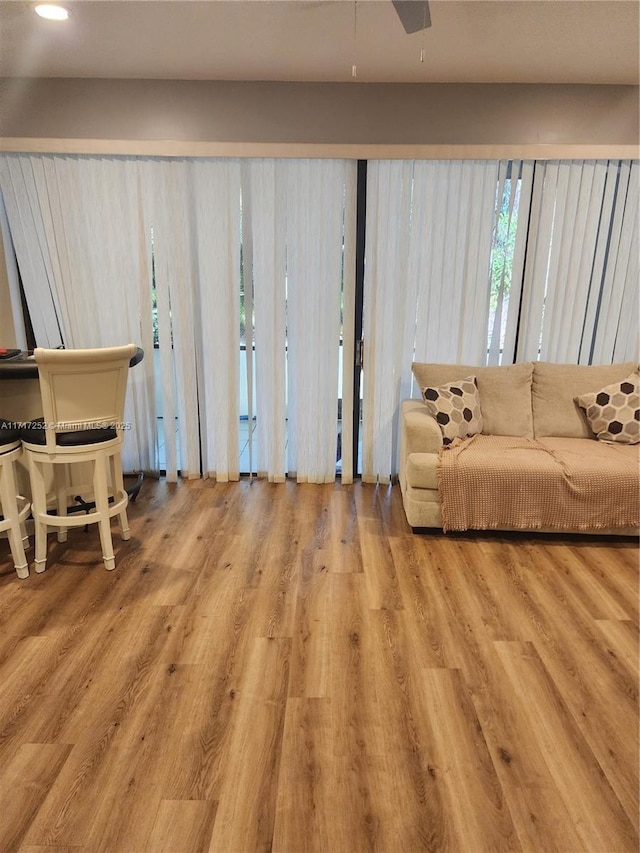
x: 360, y: 114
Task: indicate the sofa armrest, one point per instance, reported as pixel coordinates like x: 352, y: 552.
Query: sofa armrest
x: 419, y: 432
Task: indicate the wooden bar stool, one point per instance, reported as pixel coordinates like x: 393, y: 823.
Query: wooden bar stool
x: 14, y: 507
x: 83, y: 394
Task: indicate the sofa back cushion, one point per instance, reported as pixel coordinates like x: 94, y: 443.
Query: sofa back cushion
x: 505, y: 393
x: 554, y: 387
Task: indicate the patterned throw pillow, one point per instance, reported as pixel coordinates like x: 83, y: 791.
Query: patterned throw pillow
x: 456, y: 407
x: 613, y: 412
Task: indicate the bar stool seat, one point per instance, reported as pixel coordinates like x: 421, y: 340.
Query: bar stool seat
x: 15, y: 508
x: 83, y: 393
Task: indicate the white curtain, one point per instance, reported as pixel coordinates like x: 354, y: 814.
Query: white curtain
x: 389, y: 312
x: 191, y: 211
x: 580, y: 289
x: 465, y: 262
x: 264, y: 206
x: 511, y: 223
x: 77, y: 233
x: 26, y: 202
x: 216, y: 187
x: 427, y: 284
x: 613, y: 332
x: 93, y: 234
x: 13, y: 278
x: 303, y: 227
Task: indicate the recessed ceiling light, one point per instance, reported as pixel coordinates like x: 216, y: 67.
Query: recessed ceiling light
x: 51, y: 12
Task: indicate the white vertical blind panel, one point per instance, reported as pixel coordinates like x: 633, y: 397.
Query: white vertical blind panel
x: 429, y: 230
x: 517, y: 269
x: 475, y: 286
x: 315, y: 197
x: 388, y: 204
x: 215, y: 187
x: 300, y: 373
x: 583, y: 266
x: 432, y: 230
x: 145, y: 403
x: 580, y: 243
x: 537, y: 265
x: 455, y: 201
x: 571, y: 241
x: 450, y: 254
x: 416, y: 270
x: 179, y: 247
x: 193, y: 208
x: 13, y: 278
x: 567, y: 335
x: 606, y: 323
x: 496, y: 326
x: 95, y: 209
x: 247, y: 261
x: 25, y: 210
x: 348, y: 319
x: 627, y: 345
x: 85, y: 216
x: 401, y: 315
x: 606, y: 213
x: 615, y: 332
x: 376, y: 173
x: 153, y: 192
x: 565, y: 184
x: 60, y: 226
x: 268, y: 230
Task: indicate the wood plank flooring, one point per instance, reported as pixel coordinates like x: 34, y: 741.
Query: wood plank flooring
x: 288, y: 668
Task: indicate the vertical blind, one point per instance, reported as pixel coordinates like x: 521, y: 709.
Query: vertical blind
x: 191, y: 211
x: 466, y: 261
x: 77, y: 235
x: 511, y: 219
x: 429, y: 236
x: 490, y: 262
x: 302, y: 215
x: 580, y: 285
x: 614, y: 335
x: 97, y: 236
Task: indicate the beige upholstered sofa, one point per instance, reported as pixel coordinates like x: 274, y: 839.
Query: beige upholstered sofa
x: 529, y: 400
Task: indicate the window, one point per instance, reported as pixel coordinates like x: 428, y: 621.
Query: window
x: 502, y: 260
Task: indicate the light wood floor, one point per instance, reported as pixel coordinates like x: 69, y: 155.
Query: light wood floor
x: 287, y: 668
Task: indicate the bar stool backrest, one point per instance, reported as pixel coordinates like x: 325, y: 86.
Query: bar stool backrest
x: 83, y: 388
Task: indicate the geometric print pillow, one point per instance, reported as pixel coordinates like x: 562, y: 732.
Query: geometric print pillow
x: 456, y: 407
x: 614, y: 412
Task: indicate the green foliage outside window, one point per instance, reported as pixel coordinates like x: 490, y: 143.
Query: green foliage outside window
x: 504, y: 242
x: 502, y: 252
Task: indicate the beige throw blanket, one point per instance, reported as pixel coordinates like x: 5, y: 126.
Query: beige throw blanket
x: 493, y: 481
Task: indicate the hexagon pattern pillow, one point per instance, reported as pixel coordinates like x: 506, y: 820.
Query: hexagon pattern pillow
x: 614, y: 412
x: 456, y: 407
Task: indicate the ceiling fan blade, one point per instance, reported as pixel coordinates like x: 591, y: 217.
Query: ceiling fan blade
x: 414, y: 14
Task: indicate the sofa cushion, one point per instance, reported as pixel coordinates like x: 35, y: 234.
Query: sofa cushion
x: 422, y: 470
x: 613, y: 413
x: 455, y: 407
x: 420, y: 433
x: 555, y: 387
x: 505, y: 393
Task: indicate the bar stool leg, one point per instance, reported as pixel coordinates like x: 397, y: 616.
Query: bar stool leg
x: 19, y: 557
x: 39, y: 511
x: 101, y: 498
x: 25, y: 536
x: 118, y: 489
x: 12, y: 515
x: 60, y: 474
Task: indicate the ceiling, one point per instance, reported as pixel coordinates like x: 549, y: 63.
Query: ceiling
x: 507, y: 41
